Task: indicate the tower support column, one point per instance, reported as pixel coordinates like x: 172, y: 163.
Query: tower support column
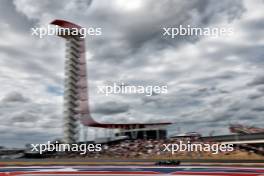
x: 71, y: 95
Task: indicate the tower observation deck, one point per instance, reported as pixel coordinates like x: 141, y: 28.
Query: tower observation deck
x: 76, y: 102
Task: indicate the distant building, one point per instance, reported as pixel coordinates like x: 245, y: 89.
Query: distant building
x: 242, y: 129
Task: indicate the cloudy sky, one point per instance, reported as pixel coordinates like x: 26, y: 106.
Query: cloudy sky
x: 212, y: 81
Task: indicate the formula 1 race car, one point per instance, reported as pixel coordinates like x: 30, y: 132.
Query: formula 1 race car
x: 168, y: 163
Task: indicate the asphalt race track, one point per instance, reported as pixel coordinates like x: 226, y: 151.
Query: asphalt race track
x: 131, y: 170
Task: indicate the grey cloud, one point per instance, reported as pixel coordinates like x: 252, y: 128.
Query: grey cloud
x: 21, y: 60
x: 111, y: 108
x: 145, y: 34
x: 139, y: 32
x: 14, y: 97
x: 254, y: 24
x: 9, y: 15
x: 261, y: 88
x: 259, y: 80
x: 24, y: 117
x: 255, y: 96
x: 258, y: 109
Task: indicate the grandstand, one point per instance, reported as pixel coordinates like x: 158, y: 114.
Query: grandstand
x: 246, y: 147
